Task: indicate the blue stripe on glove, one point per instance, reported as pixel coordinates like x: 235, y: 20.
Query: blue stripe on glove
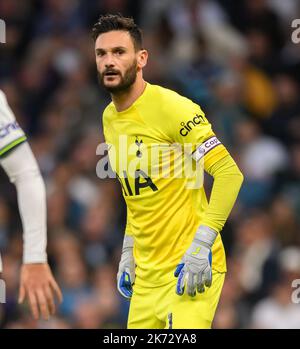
x: 124, y: 285
x: 181, y: 273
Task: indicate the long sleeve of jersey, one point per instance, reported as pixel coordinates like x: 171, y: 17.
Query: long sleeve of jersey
x: 22, y: 169
x: 227, y: 183
x: 128, y: 225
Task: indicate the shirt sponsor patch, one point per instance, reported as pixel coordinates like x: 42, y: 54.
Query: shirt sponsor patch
x: 205, y: 147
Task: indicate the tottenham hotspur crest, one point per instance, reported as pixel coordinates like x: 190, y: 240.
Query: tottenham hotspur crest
x: 138, y: 144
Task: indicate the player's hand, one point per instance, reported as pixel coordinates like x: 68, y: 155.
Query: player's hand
x: 194, y: 271
x: 126, y: 272
x: 38, y: 285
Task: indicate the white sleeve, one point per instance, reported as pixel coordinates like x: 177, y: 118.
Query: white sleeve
x: 22, y: 170
x: 11, y: 133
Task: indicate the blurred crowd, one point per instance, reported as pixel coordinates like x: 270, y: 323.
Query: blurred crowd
x: 237, y: 60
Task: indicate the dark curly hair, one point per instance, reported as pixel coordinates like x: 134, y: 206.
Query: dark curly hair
x: 109, y: 22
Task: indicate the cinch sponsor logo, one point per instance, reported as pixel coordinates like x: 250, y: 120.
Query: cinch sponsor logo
x: 187, y: 127
x: 4, y: 131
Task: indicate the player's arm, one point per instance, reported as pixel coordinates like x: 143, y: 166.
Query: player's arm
x: 190, y: 126
x: 36, y: 280
x: 126, y: 271
x: 227, y: 183
x: 196, y: 263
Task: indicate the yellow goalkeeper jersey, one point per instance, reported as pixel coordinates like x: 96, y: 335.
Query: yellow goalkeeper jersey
x: 150, y: 145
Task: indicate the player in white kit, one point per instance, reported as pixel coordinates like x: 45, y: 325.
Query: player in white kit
x: 37, y: 283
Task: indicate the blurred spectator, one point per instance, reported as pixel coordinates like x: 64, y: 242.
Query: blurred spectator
x: 278, y: 311
x: 284, y: 122
x: 261, y: 158
x: 257, y: 249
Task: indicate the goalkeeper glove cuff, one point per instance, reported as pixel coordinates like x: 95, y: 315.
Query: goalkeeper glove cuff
x: 205, y: 236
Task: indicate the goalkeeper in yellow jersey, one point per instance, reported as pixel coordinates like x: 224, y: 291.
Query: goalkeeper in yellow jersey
x: 173, y: 263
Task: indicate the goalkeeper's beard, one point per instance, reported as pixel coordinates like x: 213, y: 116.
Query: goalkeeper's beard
x: 126, y: 80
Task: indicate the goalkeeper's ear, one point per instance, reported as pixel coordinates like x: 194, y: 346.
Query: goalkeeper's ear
x: 142, y: 58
